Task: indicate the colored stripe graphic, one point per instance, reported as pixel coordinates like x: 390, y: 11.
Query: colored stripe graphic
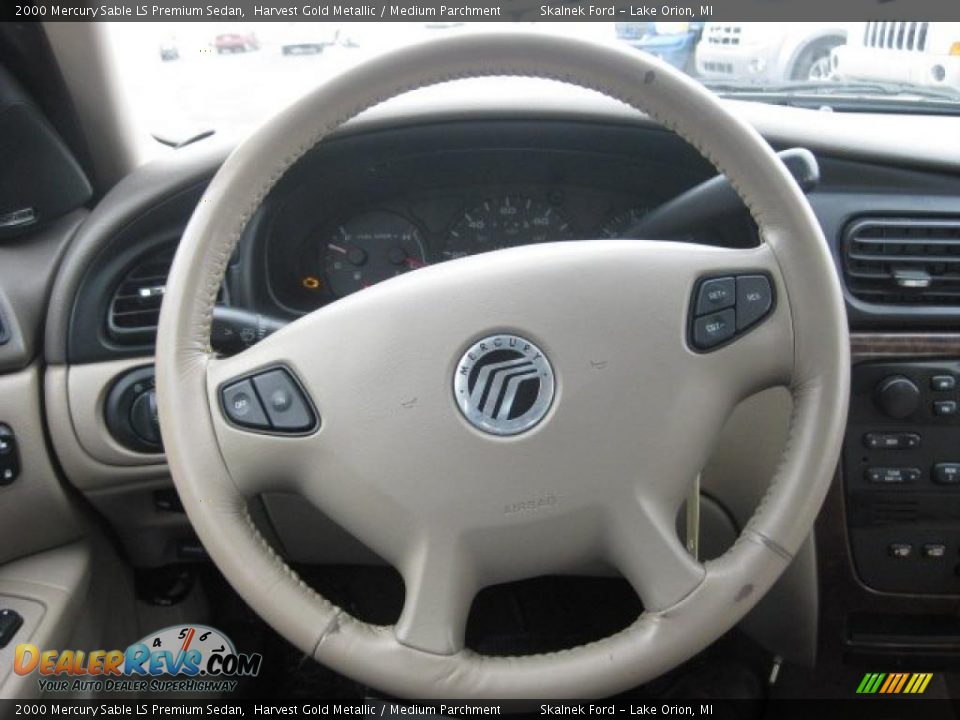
x: 894, y: 683
x: 901, y: 683
x: 890, y: 683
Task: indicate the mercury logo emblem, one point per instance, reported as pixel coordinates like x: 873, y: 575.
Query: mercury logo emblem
x: 504, y: 384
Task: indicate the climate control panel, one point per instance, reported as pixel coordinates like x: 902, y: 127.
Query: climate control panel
x: 901, y: 465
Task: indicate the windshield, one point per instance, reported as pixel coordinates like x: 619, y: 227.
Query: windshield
x: 188, y: 78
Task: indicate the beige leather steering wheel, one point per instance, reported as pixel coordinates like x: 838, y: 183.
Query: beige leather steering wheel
x: 598, y: 471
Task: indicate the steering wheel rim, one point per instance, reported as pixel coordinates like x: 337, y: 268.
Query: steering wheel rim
x: 803, y: 343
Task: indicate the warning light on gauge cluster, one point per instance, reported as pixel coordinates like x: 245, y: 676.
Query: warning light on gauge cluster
x: 311, y: 283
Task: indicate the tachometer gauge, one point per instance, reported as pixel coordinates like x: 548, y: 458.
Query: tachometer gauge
x: 619, y: 224
x: 370, y: 248
x: 505, y: 222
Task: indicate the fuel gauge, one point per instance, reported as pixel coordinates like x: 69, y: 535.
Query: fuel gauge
x: 368, y: 249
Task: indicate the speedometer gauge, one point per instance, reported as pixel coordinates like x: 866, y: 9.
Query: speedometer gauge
x: 370, y: 248
x: 505, y: 222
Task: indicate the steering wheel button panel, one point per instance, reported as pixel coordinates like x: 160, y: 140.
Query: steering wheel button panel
x: 283, y: 401
x: 716, y: 294
x: 269, y: 400
x: 242, y: 406
x: 725, y: 307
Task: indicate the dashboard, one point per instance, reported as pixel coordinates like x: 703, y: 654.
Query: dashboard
x: 367, y: 209
x: 388, y: 197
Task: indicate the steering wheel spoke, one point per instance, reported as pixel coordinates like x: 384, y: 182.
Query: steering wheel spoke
x: 440, y: 586
x: 645, y: 548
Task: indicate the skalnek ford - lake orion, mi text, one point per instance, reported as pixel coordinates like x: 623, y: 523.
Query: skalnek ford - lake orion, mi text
x: 617, y: 10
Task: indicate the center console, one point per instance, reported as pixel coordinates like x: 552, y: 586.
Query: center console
x: 901, y: 463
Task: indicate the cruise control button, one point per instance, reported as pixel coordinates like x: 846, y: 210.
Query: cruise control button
x: 284, y: 401
x: 754, y: 299
x: 946, y: 473
x: 941, y: 383
x: 934, y: 550
x: 241, y: 405
x: 711, y: 330
x: 716, y: 294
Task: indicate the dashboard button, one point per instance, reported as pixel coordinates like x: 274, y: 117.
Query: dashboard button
x: 711, y: 330
x: 754, y: 299
x: 716, y: 294
x: 242, y: 406
x: 941, y: 383
x: 934, y: 550
x: 946, y: 473
x: 900, y: 550
x: 284, y: 402
x: 891, y: 441
x: 944, y: 407
x: 892, y: 475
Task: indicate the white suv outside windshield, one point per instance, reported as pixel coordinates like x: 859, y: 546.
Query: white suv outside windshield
x: 185, y: 78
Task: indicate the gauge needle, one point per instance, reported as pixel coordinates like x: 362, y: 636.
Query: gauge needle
x: 337, y: 248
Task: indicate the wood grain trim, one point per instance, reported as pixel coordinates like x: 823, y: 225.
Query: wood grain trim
x: 877, y: 346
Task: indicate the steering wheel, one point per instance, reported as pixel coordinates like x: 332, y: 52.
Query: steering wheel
x: 550, y: 405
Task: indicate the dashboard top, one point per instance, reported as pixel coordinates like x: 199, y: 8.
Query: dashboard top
x: 414, y: 169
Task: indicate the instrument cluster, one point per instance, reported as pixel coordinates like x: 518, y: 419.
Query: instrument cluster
x: 371, y: 246
x: 361, y: 209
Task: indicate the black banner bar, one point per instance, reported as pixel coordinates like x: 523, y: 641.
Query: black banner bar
x: 876, y: 707
x: 475, y: 11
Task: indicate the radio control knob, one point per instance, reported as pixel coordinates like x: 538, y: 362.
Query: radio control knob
x: 897, y: 396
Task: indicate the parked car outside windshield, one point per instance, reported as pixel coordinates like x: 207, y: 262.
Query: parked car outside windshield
x: 230, y: 77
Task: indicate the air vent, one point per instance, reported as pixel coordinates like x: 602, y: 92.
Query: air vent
x: 135, y: 306
x: 903, y: 261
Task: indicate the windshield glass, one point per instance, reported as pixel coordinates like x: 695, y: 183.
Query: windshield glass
x: 187, y: 78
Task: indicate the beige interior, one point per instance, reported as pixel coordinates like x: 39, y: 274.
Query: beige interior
x: 690, y: 604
